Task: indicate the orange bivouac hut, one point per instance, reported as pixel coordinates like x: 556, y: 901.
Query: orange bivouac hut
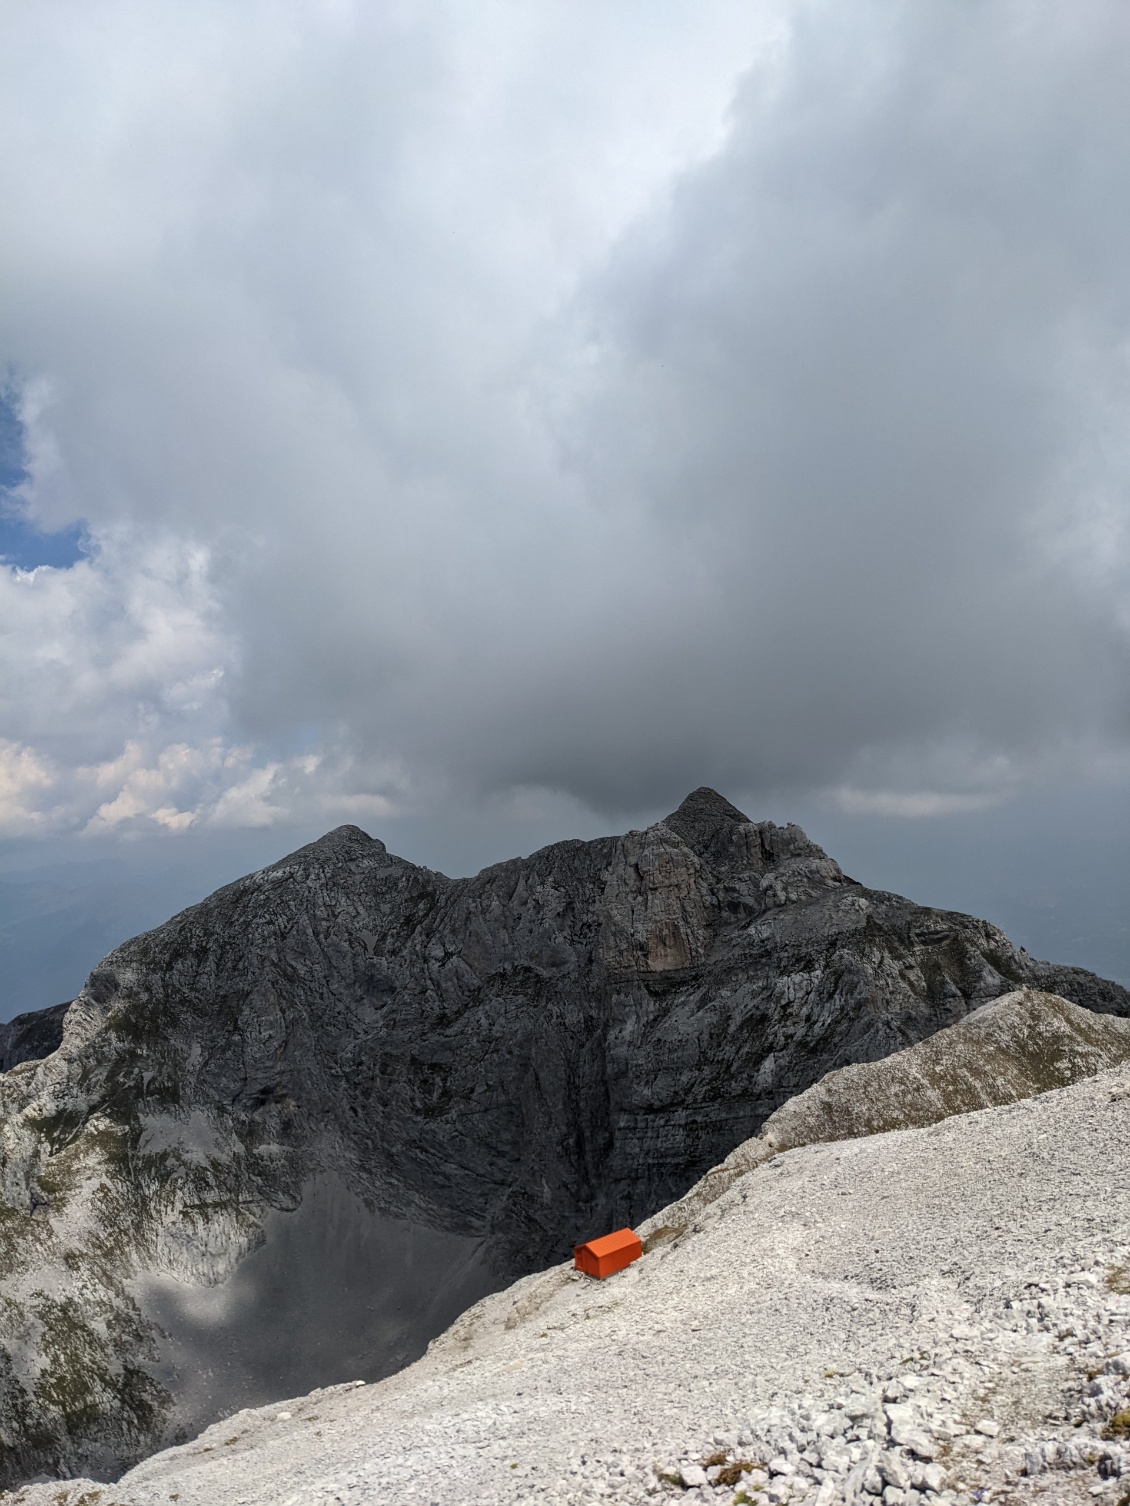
x: 612, y: 1252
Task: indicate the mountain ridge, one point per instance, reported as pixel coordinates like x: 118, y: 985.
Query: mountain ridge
x: 465, y: 1075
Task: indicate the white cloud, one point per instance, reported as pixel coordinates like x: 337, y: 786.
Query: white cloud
x: 247, y: 803
x: 144, y: 791
x: 24, y: 779
x: 179, y: 786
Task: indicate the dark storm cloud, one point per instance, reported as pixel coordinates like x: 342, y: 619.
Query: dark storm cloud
x: 866, y: 374
x: 464, y: 404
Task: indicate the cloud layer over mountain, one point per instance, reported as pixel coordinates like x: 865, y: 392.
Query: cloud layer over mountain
x: 599, y: 400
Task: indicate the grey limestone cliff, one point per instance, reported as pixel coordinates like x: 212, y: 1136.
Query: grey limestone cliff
x: 29, y: 1037
x: 288, y: 1135
x: 1018, y: 1046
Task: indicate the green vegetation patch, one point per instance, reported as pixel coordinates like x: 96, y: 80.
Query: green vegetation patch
x: 58, y: 1129
x: 663, y: 1235
x: 86, y: 1381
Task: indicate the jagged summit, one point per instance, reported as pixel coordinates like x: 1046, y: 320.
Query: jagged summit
x: 347, y: 841
x: 722, y: 834
x: 288, y: 1135
x: 705, y: 807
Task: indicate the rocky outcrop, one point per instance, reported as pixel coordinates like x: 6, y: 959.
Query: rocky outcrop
x: 351, y: 1087
x: 1022, y: 1044
x: 32, y: 1036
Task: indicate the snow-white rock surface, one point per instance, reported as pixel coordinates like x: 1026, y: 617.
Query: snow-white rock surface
x: 937, y: 1314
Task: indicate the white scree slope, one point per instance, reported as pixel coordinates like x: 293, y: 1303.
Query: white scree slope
x: 935, y: 1314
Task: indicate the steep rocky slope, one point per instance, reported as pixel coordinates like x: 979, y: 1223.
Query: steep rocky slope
x: 929, y: 1317
x: 290, y: 1134
x: 29, y: 1037
x: 1020, y: 1045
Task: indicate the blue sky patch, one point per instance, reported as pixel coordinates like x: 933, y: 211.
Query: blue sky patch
x: 27, y: 547
x: 21, y: 543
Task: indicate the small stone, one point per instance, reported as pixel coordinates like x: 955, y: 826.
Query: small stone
x: 836, y: 1459
x: 282, y: 1416
x: 934, y: 1478
x: 692, y: 1475
x: 987, y: 1427
x: 900, y: 1412
x: 908, y: 1432
x: 781, y: 1466
x: 892, y: 1467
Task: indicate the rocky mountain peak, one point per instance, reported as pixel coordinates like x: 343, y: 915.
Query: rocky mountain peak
x: 937, y: 1316
x: 343, y: 842
x: 730, y: 842
x: 704, y: 810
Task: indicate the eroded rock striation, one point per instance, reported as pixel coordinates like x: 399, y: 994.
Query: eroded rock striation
x: 1016, y: 1047
x: 288, y: 1135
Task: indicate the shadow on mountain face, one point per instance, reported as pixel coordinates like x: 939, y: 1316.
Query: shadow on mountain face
x: 336, y: 1292
x: 32, y: 1036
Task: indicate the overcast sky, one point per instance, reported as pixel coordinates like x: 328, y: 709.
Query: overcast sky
x: 497, y: 419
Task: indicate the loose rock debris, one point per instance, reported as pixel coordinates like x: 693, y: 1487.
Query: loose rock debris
x: 937, y: 1315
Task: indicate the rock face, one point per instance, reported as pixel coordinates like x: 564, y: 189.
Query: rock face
x: 315, y: 1116
x: 1021, y: 1045
x: 29, y: 1037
